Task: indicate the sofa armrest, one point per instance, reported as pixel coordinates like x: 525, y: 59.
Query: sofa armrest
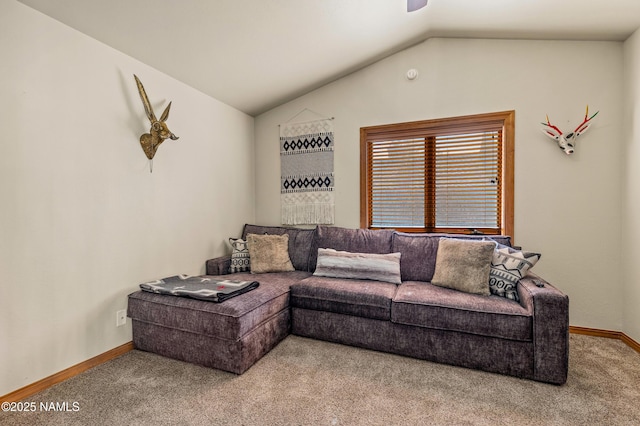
x: 219, y: 265
x: 550, y: 311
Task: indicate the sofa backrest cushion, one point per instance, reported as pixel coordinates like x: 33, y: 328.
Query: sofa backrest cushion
x: 300, y: 242
x: 351, y: 240
x: 418, y: 252
x: 417, y: 255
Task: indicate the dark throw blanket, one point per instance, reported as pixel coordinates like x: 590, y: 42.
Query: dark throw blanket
x: 199, y: 287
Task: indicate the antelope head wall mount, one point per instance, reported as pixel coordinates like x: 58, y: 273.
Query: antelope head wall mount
x: 159, y: 130
x: 567, y: 142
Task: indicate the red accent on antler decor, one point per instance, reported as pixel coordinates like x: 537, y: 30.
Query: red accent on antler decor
x: 579, y: 129
x: 548, y: 124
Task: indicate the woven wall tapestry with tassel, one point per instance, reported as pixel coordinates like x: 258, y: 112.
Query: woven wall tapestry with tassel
x: 307, y: 181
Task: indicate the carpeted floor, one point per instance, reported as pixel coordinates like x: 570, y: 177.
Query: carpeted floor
x: 309, y: 382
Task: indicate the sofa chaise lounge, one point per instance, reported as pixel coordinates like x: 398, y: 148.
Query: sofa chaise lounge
x: 526, y: 338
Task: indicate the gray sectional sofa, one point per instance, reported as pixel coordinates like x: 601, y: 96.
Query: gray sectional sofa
x: 526, y: 338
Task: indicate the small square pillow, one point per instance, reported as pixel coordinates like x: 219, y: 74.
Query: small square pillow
x: 359, y: 266
x: 508, y: 266
x: 269, y: 253
x: 464, y: 265
x: 240, y: 260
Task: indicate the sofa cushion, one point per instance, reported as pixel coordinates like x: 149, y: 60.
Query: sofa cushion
x: 300, y: 241
x: 464, y: 265
x: 352, y: 240
x: 228, y: 320
x: 363, y: 298
x: 418, y: 251
x: 363, y: 266
x: 417, y: 255
x: 425, y: 305
x: 269, y: 253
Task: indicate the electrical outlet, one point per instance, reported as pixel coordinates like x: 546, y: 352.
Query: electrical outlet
x: 121, y: 318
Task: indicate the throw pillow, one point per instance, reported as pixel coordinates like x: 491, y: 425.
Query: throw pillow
x: 508, y: 266
x: 269, y: 253
x: 240, y: 260
x: 464, y: 265
x: 362, y: 266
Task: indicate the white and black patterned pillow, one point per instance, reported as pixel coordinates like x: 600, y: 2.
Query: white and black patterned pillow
x: 240, y: 261
x: 508, y: 266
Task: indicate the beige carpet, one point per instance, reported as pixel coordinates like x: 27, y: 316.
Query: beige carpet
x: 309, y: 382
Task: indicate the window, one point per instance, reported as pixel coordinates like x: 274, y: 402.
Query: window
x: 447, y: 175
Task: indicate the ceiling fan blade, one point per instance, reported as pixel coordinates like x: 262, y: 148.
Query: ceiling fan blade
x: 413, y: 5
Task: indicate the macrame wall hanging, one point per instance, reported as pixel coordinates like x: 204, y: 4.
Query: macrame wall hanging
x: 306, y: 165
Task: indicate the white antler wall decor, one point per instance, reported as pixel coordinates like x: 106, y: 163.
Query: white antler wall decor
x: 567, y: 142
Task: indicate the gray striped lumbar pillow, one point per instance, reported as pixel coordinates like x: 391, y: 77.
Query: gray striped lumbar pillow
x: 361, y: 266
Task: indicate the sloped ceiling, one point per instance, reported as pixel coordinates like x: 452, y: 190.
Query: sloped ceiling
x: 257, y: 54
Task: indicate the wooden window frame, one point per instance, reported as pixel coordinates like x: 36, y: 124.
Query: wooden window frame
x: 505, y: 118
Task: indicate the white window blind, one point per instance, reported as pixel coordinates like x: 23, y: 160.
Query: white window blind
x: 434, y: 176
x: 467, y: 180
x: 398, y: 183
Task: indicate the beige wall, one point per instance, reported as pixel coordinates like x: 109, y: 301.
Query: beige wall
x: 82, y: 221
x: 568, y: 208
x: 630, y: 248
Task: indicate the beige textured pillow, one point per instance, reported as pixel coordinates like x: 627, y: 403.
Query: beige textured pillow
x: 464, y: 265
x: 269, y: 253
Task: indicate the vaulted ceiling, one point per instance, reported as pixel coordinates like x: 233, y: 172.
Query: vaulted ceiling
x: 256, y: 54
